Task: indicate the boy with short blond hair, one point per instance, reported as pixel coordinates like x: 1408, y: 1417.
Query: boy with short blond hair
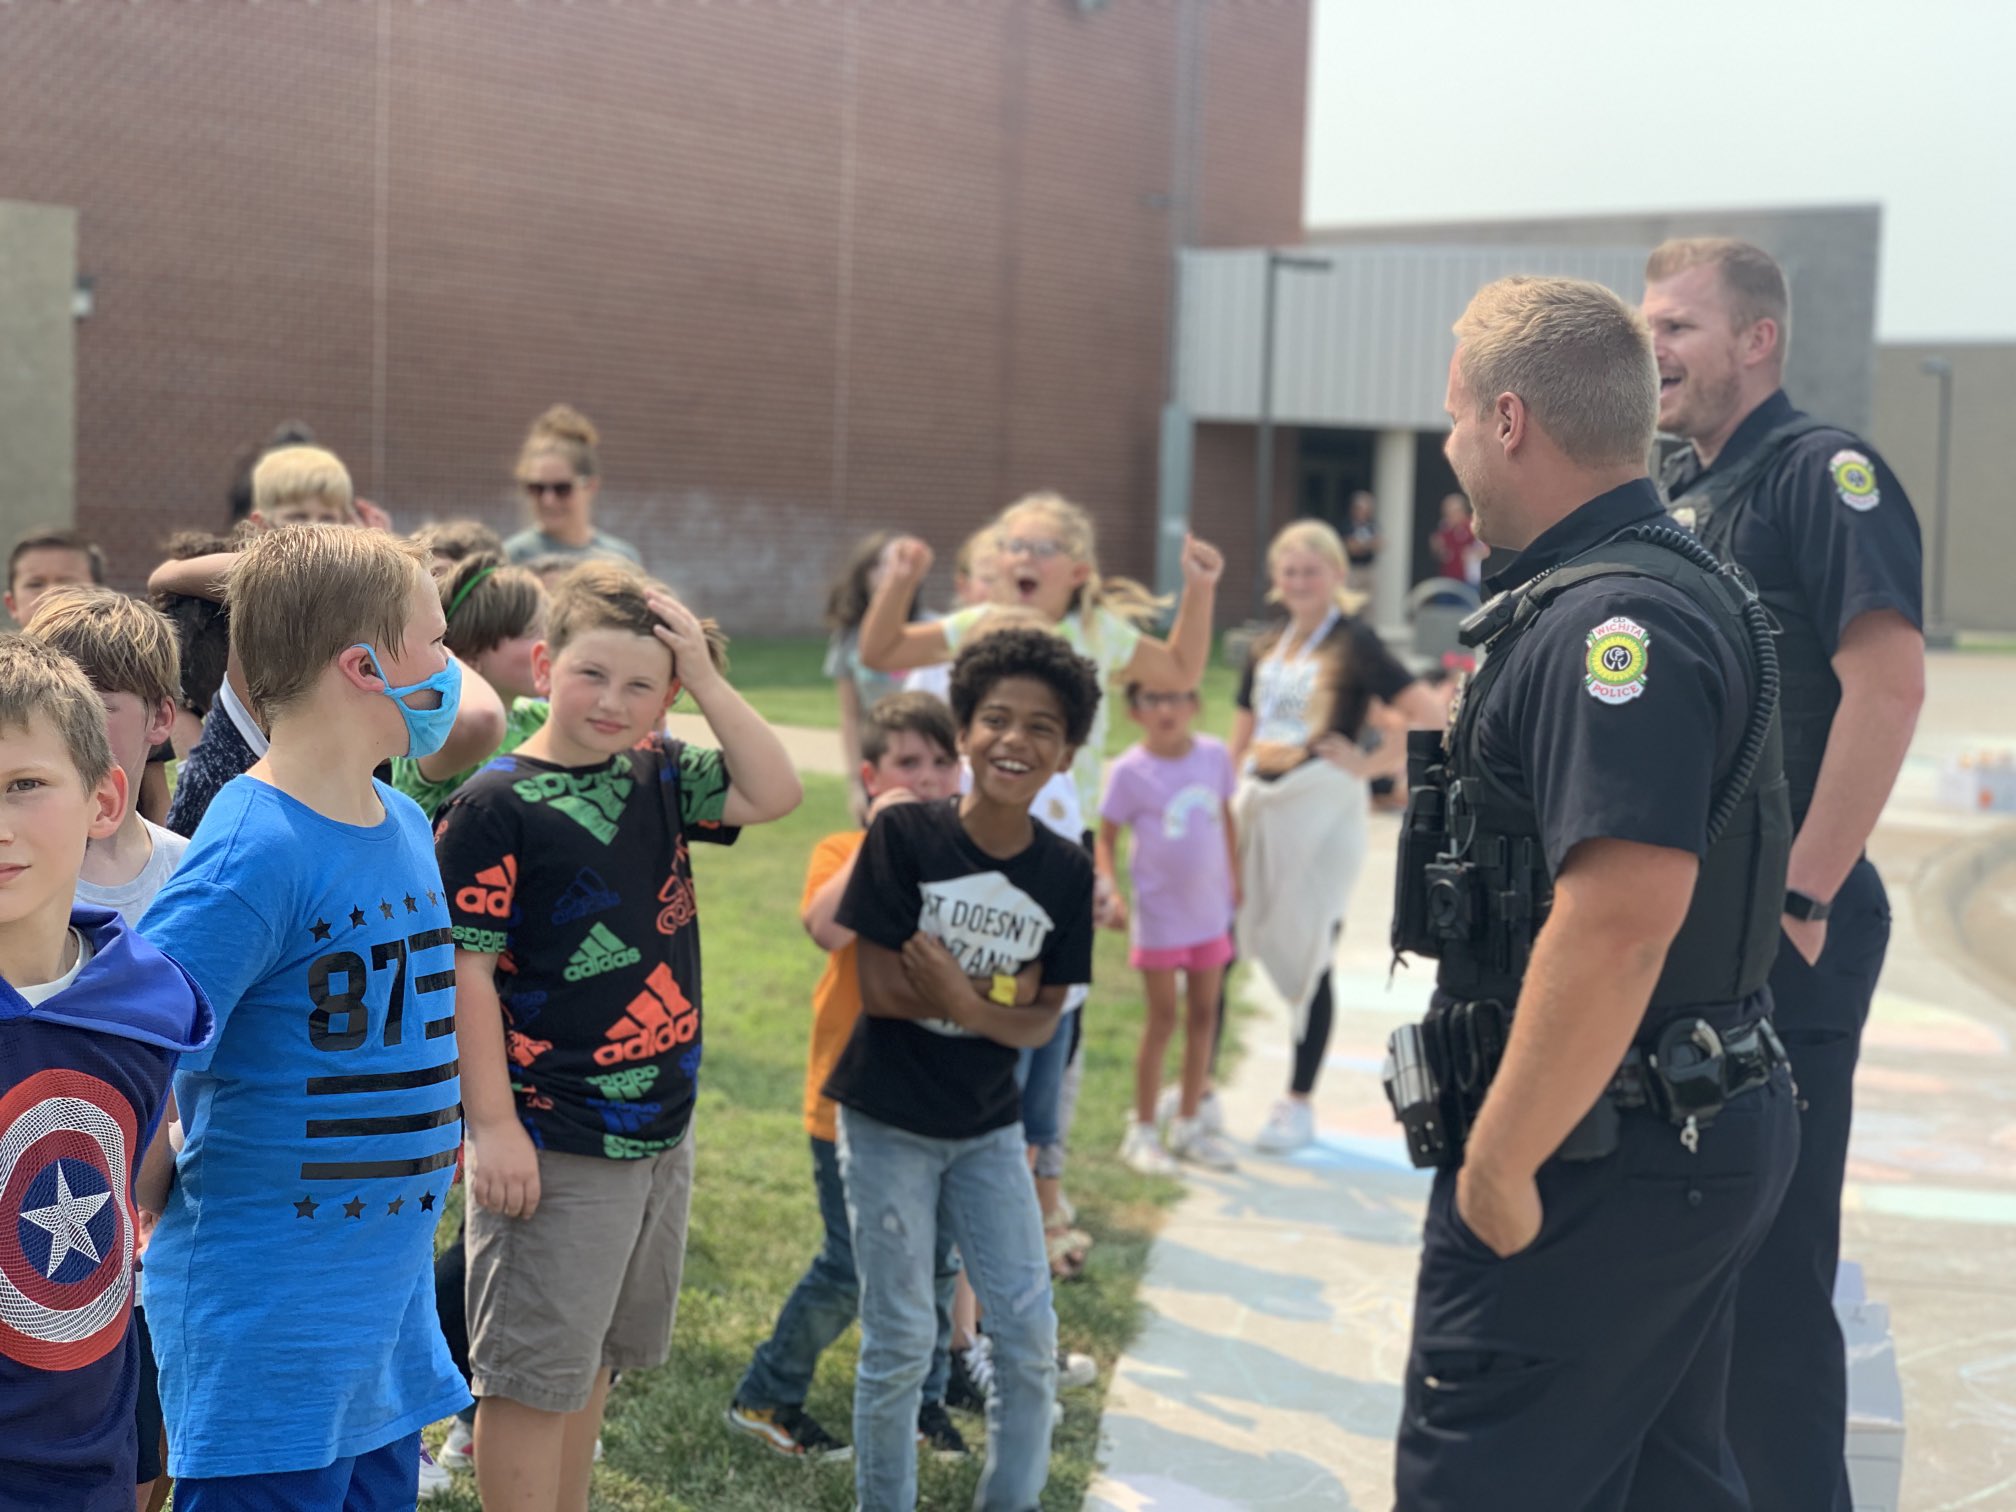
x: 578, y: 1000
x: 290, y: 1281
x: 295, y: 485
x: 128, y: 650
x: 91, y: 1020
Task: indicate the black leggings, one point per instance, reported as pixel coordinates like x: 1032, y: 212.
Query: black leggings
x: 1315, y: 1041
x: 1309, y: 1052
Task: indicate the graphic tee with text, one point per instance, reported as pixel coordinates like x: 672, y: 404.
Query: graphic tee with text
x: 577, y: 879
x: 919, y: 870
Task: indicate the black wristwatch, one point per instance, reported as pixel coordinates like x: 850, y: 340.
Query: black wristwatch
x: 1809, y: 910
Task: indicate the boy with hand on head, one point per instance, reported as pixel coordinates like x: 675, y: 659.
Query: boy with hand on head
x: 973, y: 922
x: 909, y: 754
x: 91, y: 1020
x: 43, y: 560
x: 290, y: 1280
x: 295, y: 485
x: 577, y: 968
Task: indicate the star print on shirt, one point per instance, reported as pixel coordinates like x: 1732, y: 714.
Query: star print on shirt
x: 385, y: 908
x: 426, y: 1202
x: 354, y: 1208
x: 356, y: 918
x: 67, y: 1222
x: 394, y: 1205
x: 320, y: 929
x: 305, y: 1208
x: 432, y: 897
x: 412, y: 903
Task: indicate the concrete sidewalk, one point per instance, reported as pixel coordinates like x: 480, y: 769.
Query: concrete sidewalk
x: 1268, y: 1374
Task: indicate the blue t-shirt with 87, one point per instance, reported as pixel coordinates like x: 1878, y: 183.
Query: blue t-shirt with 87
x: 289, y: 1286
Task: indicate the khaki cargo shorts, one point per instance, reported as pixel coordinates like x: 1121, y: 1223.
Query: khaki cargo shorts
x: 590, y: 1280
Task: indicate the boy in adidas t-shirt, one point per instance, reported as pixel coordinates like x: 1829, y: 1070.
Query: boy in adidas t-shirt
x: 972, y: 923
x: 577, y: 967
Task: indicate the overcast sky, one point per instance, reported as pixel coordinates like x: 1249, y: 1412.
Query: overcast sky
x: 1477, y: 109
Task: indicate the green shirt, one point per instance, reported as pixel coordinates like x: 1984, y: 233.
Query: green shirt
x: 521, y: 721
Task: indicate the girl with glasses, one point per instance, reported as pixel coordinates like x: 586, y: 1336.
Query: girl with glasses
x: 560, y: 475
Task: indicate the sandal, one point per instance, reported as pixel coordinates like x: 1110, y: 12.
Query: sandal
x: 1067, y: 1249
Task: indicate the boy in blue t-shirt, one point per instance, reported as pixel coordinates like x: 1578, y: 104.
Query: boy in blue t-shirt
x: 289, y: 1283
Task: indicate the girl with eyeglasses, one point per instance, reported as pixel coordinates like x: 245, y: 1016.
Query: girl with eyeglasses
x: 1045, y: 558
x: 559, y: 473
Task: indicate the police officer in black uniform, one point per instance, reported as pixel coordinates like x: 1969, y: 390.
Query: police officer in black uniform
x: 1823, y: 528
x: 1595, y: 852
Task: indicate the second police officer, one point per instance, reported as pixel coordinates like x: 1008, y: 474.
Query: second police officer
x: 1822, y: 527
x: 1596, y: 853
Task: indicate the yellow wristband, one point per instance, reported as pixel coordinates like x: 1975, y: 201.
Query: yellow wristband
x: 1002, y: 991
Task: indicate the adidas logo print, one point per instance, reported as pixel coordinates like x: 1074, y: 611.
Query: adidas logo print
x: 601, y: 952
x: 657, y: 1019
x: 492, y: 891
x: 587, y: 894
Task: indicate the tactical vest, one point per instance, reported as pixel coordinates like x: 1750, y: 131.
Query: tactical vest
x: 1726, y: 946
x: 1811, y: 692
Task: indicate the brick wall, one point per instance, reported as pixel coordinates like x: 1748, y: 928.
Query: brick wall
x: 812, y: 268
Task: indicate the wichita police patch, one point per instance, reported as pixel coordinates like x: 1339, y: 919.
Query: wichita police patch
x: 1855, y: 479
x: 1616, y: 661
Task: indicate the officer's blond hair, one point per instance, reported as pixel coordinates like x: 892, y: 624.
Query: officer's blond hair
x: 1577, y: 355
x: 1750, y: 277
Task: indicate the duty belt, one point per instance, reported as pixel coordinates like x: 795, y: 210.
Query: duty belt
x: 1437, y: 1073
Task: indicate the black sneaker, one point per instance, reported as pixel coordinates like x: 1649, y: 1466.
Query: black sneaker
x: 972, y: 1377
x: 936, y: 1433
x: 789, y: 1431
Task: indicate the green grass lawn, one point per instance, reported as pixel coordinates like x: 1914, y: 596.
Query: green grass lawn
x: 781, y: 678
x: 755, y: 1224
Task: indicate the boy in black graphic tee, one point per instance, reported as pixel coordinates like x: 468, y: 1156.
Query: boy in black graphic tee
x: 577, y: 961
x: 972, y: 923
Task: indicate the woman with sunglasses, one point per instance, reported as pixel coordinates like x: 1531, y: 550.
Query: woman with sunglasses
x: 558, y: 471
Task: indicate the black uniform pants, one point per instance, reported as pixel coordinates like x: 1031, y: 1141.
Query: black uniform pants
x: 1788, y: 1381
x: 1587, y: 1372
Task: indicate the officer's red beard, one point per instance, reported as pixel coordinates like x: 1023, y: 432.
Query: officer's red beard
x: 1700, y: 404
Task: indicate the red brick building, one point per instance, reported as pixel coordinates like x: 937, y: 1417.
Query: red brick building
x: 812, y: 268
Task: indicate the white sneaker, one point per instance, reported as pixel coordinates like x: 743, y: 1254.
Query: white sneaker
x: 433, y: 1479
x: 1075, y: 1370
x: 1290, y: 1126
x: 1210, y: 1112
x: 1190, y: 1141
x: 1143, y: 1152
x: 459, y: 1451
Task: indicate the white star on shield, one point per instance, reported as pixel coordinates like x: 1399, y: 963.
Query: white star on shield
x: 67, y: 1223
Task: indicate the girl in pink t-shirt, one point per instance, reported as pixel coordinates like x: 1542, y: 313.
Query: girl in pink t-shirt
x: 1174, y: 791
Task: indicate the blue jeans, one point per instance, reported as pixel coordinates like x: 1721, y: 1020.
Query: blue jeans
x: 385, y: 1480
x: 903, y: 1190
x: 1040, y: 1074
x: 826, y: 1299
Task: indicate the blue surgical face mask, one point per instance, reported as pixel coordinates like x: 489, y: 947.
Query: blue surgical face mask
x: 426, y: 729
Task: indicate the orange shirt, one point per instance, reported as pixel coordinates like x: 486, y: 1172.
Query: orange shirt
x: 836, y: 1001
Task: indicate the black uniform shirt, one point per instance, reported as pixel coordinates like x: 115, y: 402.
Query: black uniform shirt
x: 1830, y: 524
x: 1618, y: 710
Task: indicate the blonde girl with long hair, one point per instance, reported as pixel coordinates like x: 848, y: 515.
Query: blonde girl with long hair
x: 1046, y: 557
x: 1312, y: 690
